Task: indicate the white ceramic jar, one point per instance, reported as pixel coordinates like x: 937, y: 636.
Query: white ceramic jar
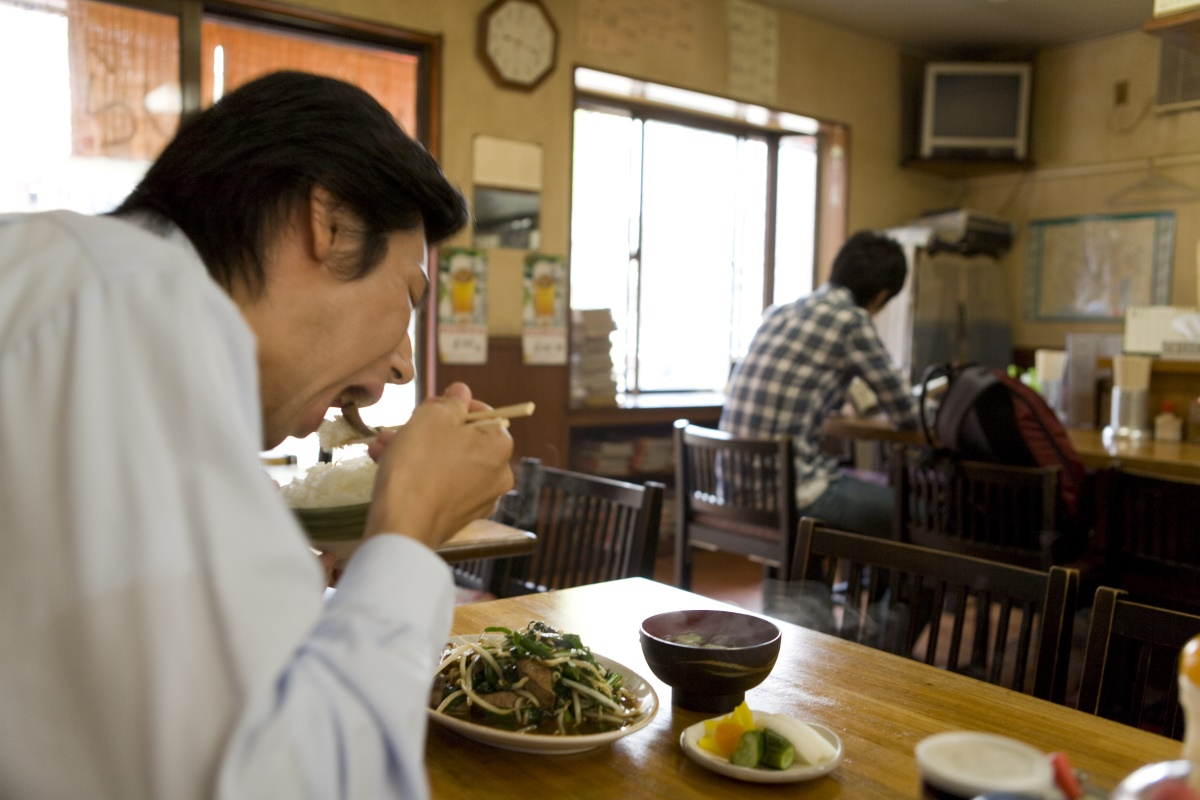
x: 961, y: 765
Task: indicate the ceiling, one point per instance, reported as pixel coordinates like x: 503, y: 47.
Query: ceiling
x: 965, y: 26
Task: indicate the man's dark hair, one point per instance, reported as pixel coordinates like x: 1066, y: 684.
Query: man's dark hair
x: 867, y: 264
x: 234, y: 172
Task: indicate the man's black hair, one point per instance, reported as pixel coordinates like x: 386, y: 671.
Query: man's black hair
x: 868, y: 263
x: 234, y: 172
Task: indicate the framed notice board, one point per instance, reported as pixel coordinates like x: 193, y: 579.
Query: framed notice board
x: 1092, y: 268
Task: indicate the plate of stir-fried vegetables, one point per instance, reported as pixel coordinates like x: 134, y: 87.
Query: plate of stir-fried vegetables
x: 537, y: 690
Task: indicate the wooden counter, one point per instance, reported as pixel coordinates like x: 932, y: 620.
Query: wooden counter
x: 1174, y: 460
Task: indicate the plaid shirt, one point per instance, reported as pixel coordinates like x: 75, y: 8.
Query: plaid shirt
x: 800, y: 363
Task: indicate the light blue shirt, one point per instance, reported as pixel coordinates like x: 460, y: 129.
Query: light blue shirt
x: 164, y: 633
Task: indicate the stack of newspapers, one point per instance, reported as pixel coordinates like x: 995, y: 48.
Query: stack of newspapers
x: 592, y: 381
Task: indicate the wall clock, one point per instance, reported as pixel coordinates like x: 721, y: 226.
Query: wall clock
x: 518, y: 42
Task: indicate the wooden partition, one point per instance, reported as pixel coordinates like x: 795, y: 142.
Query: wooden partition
x: 506, y: 379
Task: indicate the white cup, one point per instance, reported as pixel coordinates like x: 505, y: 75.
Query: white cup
x: 961, y: 765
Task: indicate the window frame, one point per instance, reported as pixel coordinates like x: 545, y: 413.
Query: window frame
x: 831, y: 180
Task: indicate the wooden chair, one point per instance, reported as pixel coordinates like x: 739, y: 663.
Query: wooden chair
x: 1131, y: 660
x: 1147, y: 529
x: 993, y: 511
x: 734, y: 495
x: 589, y: 529
x: 1005, y: 624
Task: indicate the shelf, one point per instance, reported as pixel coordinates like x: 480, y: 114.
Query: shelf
x: 1160, y: 366
x: 650, y: 409
x: 967, y: 167
x: 1181, y: 29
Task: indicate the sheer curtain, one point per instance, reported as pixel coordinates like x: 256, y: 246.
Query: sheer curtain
x: 124, y: 66
x: 96, y: 87
x: 249, y: 51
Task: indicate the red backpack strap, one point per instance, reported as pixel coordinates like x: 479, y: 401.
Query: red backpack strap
x: 1046, y: 439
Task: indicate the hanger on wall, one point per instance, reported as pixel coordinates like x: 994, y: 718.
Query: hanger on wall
x: 1153, y: 188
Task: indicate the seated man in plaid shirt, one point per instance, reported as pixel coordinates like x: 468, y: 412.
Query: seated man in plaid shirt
x: 799, y: 366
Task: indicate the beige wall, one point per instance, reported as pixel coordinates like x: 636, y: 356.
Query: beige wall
x: 824, y: 72
x: 1087, y: 148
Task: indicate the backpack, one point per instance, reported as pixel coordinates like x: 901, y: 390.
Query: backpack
x: 985, y: 415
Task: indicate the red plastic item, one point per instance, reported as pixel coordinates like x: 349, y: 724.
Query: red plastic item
x: 1172, y: 791
x: 1065, y: 777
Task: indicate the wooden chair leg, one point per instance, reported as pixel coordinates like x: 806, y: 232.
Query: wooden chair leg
x: 683, y: 563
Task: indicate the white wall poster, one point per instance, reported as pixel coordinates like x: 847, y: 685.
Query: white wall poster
x: 462, y: 306
x: 544, y: 315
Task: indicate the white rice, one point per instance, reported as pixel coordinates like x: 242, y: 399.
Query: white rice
x: 336, y: 432
x: 342, y: 483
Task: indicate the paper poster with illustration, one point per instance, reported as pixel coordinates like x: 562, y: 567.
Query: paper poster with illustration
x: 462, y: 306
x: 544, y: 334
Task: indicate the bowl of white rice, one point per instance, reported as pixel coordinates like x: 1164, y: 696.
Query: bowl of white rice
x: 331, y: 500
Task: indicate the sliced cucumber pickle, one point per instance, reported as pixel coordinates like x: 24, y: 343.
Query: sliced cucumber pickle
x: 778, y: 752
x: 749, y: 750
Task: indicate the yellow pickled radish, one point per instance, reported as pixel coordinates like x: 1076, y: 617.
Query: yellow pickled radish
x: 722, y: 734
x: 743, y: 716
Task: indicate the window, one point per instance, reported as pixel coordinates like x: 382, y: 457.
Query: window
x: 97, y: 88
x: 101, y: 86
x: 690, y: 214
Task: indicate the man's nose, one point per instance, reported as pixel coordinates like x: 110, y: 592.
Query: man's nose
x: 403, y: 370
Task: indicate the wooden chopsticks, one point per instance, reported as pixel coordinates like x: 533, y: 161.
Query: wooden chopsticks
x: 503, y: 412
x: 482, y: 420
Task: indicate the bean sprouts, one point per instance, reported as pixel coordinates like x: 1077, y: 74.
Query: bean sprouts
x: 535, y: 680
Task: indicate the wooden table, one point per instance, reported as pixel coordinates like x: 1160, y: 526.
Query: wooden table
x: 881, y: 705
x: 877, y: 429
x: 483, y: 538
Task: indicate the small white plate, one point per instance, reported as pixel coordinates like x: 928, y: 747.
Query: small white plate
x: 689, y: 740
x: 547, y: 744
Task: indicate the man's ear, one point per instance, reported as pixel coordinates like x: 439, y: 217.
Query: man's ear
x: 325, y: 223
x: 878, y: 302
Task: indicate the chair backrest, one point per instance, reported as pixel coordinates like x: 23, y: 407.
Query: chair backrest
x: 589, y: 529
x: 1147, y: 528
x: 734, y: 494
x: 1131, y: 662
x: 993, y: 511
x: 1003, y: 623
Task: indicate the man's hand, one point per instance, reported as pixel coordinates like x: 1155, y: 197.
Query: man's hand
x: 437, y: 473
